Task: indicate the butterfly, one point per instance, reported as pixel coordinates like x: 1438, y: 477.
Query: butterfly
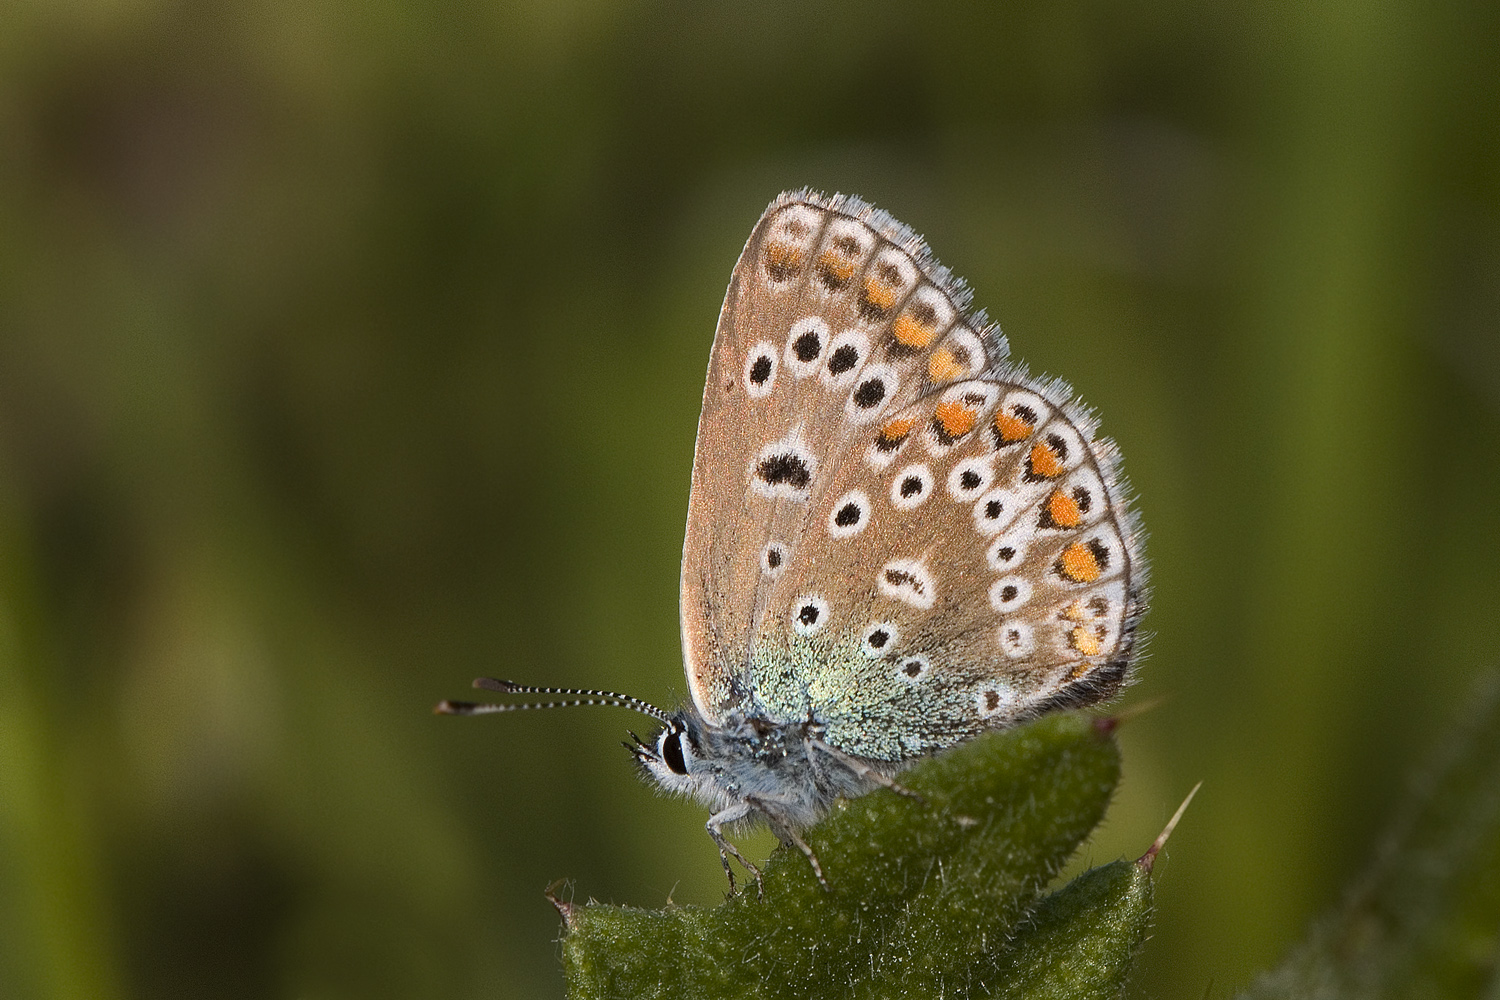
x: 897, y: 538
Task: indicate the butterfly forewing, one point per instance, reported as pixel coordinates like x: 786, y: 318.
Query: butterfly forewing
x: 891, y: 531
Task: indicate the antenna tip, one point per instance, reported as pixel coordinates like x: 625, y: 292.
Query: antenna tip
x: 490, y: 684
x: 446, y: 707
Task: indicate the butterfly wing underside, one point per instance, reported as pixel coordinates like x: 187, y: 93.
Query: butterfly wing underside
x: 892, y: 530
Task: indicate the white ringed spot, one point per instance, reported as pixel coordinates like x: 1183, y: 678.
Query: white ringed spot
x: 846, y: 356
x: 805, y: 345
x: 909, y: 581
x: 1007, y: 551
x: 760, y: 370
x: 995, y: 511
x: 912, y: 668
x: 876, y: 388
x: 1016, y: 639
x: 773, y: 559
x: 783, y: 469
x: 1009, y: 593
x: 850, y: 514
x: 994, y: 698
x: 809, y: 614
x: 969, y: 478
x: 911, y: 486
x: 880, y: 639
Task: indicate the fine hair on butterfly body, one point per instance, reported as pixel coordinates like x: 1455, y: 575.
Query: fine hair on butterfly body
x: 897, y: 538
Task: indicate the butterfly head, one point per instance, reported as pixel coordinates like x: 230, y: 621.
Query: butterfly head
x: 674, y: 758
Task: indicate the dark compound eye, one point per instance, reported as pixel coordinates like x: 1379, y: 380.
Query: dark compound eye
x: 671, y: 751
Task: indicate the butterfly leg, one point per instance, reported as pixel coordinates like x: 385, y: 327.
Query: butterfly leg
x: 715, y: 827
x: 789, y: 836
x: 867, y: 772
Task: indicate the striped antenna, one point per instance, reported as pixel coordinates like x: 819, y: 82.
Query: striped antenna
x: 581, y: 696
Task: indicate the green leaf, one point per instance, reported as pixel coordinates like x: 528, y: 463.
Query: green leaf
x: 1424, y: 921
x: 1079, y: 942
x: 937, y: 899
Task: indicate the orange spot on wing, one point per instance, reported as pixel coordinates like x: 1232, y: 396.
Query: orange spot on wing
x: 1012, y: 428
x: 783, y: 258
x: 1044, y: 461
x: 909, y: 331
x: 1075, y: 612
x: 1063, y: 510
x: 1078, y: 564
x: 835, y: 266
x: 1085, y: 641
x: 956, y: 418
x: 896, y: 430
x: 879, y: 294
x: 943, y: 366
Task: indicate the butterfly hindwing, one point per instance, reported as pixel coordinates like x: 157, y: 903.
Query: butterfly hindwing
x: 978, y: 579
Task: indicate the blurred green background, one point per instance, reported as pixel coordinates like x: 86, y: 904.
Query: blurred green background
x: 347, y: 353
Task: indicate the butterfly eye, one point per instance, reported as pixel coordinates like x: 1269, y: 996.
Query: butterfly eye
x: 669, y: 748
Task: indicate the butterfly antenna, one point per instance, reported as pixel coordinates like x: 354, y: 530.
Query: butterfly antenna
x: 579, y: 696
